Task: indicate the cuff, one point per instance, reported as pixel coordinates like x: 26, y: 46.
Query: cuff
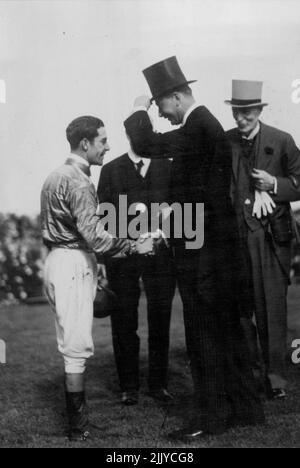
x: 131, y: 248
x: 275, y: 186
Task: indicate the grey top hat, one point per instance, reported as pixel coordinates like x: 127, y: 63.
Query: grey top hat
x: 246, y: 93
x: 164, y: 77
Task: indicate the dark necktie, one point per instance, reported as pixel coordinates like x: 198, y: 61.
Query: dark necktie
x: 139, y: 166
x: 248, y: 149
x: 247, y: 143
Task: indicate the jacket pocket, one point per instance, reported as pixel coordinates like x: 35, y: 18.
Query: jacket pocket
x: 281, y: 226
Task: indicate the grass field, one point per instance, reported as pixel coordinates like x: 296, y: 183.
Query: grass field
x: 32, y: 400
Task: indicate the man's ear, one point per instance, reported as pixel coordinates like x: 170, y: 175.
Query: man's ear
x: 83, y: 145
x: 177, y: 97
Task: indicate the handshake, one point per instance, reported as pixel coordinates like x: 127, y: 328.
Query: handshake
x: 150, y: 243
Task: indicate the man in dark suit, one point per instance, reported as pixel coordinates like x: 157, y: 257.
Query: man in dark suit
x: 144, y: 182
x: 201, y: 173
x: 266, y: 178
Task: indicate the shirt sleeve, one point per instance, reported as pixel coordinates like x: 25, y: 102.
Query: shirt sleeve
x: 83, y: 206
x: 149, y: 144
x: 288, y: 185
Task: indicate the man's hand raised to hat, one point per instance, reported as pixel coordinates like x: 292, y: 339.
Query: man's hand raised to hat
x: 142, y: 101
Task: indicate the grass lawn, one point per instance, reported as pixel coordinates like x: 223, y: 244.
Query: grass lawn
x: 32, y: 401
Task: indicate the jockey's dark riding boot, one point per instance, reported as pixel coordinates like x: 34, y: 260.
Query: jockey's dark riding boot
x: 78, y: 416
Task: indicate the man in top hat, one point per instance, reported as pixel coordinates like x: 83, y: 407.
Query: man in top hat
x: 266, y: 178
x: 201, y: 173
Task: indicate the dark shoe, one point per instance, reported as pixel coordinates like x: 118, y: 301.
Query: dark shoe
x: 78, y: 436
x: 188, y: 436
x: 195, y: 430
x: 78, y: 416
x: 276, y: 394
x: 130, y: 398
x: 162, y: 395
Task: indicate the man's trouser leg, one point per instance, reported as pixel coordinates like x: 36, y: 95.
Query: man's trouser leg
x: 204, y: 340
x: 123, y: 276
x: 245, y: 296
x: 70, y: 286
x: 159, y: 281
x: 241, y: 387
x: 270, y: 293
x: 219, y: 356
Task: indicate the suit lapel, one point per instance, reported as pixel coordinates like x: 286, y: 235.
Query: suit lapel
x: 128, y: 172
x: 264, y: 157
x: 235, y: 154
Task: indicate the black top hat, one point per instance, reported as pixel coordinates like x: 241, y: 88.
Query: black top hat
x: 164, y: 77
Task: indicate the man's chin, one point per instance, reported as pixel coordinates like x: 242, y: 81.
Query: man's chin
x: 244, y: 131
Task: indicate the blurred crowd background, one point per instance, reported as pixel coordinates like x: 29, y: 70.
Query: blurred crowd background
x: 22, y: 257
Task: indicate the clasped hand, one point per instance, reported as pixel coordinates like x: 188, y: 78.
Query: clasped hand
x: 145, y: 246
x: 263, y: 180
x: 158, y: 239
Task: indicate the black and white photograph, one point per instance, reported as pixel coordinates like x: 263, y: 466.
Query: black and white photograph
x: 150, y: 226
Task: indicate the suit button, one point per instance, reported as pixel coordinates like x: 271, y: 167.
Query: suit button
x: 247, y: 202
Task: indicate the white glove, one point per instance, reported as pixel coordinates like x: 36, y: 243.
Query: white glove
x: 142, y: 101
x: 268, y: 202
x: 263, y: 204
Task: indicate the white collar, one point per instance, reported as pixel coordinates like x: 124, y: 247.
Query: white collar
x: 188, y: 112
x: 79, y: 159
x: 136, y: 159
x: 253, y: 134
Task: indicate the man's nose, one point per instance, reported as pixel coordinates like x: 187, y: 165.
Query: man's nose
x: 239, y: 117
x: 107, y: 147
